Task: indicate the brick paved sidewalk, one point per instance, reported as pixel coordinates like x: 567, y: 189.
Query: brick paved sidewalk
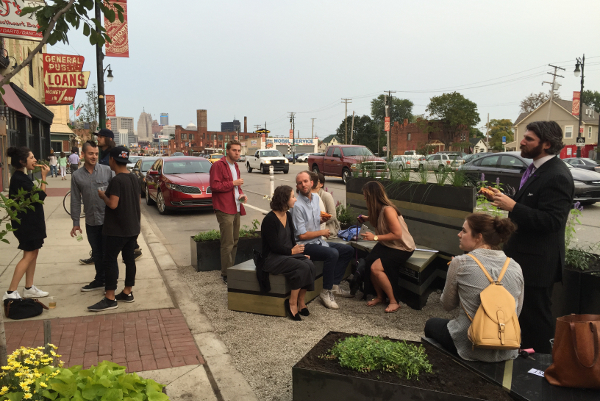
x: 145, y: 340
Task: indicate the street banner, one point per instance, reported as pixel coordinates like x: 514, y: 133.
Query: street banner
x: 78, y: 111
x: 13, y: 25
x: 118, y: 33
x: 576, y: 101
x: 60, y: 71
x: 108, y: 124
x: 387, y: 124
x: 111, y: 110
x: 291, y: 134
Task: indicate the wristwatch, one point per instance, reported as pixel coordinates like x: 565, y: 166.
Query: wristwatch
x: 375, y: 238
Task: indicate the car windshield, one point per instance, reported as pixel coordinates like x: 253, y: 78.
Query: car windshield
x: 567, y: 164
x: 271, y: 153
x: 589, y: 161
x: 146, y: 164
x: 454, y: 157
x: 358, y: 151
x: 134, y: 159
x: 186, y: 166
x: 216, y: 156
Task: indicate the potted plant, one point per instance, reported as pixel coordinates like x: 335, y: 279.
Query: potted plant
x: 345, y: 215
x: 205, y: 247
x: 353, y: 367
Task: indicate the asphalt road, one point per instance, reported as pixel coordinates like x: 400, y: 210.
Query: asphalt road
x: 177, y: 228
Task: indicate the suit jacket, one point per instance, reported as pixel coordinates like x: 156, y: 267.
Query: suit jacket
x: 543, y: 206
x: 223, y: 193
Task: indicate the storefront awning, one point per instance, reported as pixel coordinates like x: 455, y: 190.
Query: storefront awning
x: 12, y: 100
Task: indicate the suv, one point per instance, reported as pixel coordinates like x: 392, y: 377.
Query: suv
x: 440, y: 161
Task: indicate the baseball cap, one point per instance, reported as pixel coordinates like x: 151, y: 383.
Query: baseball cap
x: 106, y: 132
x: 120, y: 154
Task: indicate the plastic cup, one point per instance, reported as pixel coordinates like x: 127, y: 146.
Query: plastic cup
x: 79, y: 237
x: 51, y: 302
x: 243, y: 198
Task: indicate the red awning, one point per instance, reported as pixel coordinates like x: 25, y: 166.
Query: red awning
x: 12, y: 100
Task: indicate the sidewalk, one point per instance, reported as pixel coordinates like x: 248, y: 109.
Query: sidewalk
x: 163, y: 335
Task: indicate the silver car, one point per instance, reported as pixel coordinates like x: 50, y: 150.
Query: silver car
x: 440, y: 161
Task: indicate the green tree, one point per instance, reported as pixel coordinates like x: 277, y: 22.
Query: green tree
x: 476, y: 133
x: 455, y: 111
x: 401, y: 109
x: 89, y: 110
x: 365, y: 132
x: 535, y: 100
x: 498, y: 129
x: 591, y: 99
x: 56, y: 18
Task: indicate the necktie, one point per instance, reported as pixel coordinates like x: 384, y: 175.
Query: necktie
x: 526, y: 175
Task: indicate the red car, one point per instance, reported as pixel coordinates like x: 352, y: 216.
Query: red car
x: 181, y: 182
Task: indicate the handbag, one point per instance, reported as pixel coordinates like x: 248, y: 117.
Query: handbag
x: 349, y: 234
x: 575, y: 352
x: 23, y: 308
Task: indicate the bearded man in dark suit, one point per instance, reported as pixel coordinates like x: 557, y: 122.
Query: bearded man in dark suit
x: 540, y: 209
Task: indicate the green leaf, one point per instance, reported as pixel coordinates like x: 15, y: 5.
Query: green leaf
x: 157, y: 397
x: 64, y: 389
x: 86, y: 29
x: 14, y: 396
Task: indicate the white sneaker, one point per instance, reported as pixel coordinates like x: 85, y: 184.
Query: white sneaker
x: 14, y: 295
x: 328, y: 299
x: 34, y: 292
x: 339, y: 291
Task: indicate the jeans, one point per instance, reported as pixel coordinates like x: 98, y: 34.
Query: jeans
x: 96, y: 240
x: 74, y: 167
x: 437, y: 329
x: 335, y: 257
x: 53, y: 172
x: 229, y: 225
x: 112, y: 247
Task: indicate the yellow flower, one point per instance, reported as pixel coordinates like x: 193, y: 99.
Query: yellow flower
x: 43, y: 384
x: 27, y: 396
x: 4, y: 388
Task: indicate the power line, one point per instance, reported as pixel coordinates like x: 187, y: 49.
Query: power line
x: 346, y: 101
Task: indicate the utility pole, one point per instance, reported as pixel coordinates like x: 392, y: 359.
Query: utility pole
x: 553, y: 86
x: 312, y: 133
x: 580, y: 62
x: 346, y: 101
x: 256, y: 127
x: 293, y: 125
x: 352, y: 130
x: 100, y: 73
x: 388, y: 113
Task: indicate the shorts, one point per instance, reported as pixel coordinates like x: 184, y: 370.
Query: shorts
x: 31, y: 245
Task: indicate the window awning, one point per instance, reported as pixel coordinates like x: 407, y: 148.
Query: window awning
x: 12, y: 100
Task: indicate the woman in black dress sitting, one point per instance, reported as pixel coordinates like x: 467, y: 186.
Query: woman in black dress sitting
x: 281, y: 253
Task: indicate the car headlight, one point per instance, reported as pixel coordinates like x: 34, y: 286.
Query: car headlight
x: 580, y: 184
x: 267, y: 162
x: 174, y: 187
x: 286, y: 161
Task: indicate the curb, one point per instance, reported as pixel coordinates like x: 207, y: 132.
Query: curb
x: 227, y: 382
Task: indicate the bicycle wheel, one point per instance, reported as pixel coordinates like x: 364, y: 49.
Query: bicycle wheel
x: 67, y: 205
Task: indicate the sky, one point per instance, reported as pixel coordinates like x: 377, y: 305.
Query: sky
x: 265, y: 58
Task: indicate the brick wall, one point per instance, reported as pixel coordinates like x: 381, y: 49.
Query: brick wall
x: 412, y: 136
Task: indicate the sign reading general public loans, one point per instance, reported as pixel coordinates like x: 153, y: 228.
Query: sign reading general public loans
x: 13, y: 25
x: 62, y: 78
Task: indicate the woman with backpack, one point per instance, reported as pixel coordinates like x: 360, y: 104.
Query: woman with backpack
x: 481, y: 237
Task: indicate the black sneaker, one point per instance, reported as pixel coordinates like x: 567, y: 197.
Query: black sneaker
x: 136, y: 254
x: 105, y: 304
x: 125, y: 297
x: 89, y: 261
x: 94, y: 285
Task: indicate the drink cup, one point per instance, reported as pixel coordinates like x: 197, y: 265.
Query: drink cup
x: 51, y: 302
x: 243, y: 198
x: 79, y: 237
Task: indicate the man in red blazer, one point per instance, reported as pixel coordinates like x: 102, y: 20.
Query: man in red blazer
x: 228, y: 198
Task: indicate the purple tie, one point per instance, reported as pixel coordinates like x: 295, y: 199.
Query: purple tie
x: 526, y: 175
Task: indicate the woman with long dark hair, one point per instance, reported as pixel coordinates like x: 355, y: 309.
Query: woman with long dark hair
x: 31, y: 230
x: 394, y: 245
x: 283, y: 256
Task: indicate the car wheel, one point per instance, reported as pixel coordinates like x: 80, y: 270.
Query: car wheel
x: 248, y: 168
x: 587, y: 203
x: 263, y: 169
x: 315, y: 169
x: 345, y: 175
x: 286, y: 171
x: 149, y: 200
x: 160, y: 203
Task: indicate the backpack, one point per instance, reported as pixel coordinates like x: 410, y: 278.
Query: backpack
x: 349, y: 234
x: 23, y: 308
x: 496, y: 324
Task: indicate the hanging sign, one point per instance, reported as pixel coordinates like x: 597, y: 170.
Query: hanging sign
x: 63, y: 75
x: 118, y: 33
x: 13, y: 25
x: 111, y: 110
x: 387, y: 124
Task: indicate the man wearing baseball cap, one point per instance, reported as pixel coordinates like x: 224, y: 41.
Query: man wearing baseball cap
x: 121, y: 228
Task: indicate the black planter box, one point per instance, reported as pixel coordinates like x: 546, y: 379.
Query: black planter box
x: 206, y: 256
x: 579, y: 293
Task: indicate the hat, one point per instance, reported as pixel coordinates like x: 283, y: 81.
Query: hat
x: 120, y: 154
x: 106, y: 132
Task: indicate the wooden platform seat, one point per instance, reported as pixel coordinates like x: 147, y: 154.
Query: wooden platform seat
x: 515, y: 377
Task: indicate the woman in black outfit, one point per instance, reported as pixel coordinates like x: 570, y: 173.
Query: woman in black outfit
x: 282, y: 254
x: 31, y: 231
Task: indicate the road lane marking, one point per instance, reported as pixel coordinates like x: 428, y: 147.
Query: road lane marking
x: 263, y: 211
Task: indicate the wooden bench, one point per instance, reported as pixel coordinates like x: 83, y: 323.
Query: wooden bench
x: 515, y: 378
x: 243, y: 291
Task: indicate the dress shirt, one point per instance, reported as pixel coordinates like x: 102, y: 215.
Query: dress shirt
x: 307, y: 217
x: 236, y: 188
x: 73, y: 158
x: 538, y: 163
x: 85, y: 186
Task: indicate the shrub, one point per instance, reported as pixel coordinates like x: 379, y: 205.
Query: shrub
x: 214, y: 235
x: 345, y: 215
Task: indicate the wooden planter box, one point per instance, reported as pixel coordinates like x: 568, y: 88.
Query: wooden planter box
x: 206, y: 255
x: 316, y: 379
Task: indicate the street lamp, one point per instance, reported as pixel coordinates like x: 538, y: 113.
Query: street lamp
x: 109, y: 77
x: 577, y: 72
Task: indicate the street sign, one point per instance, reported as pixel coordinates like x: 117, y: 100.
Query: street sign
x: 503, y: 140
x: 580, y: 141
x: 387, y: 124
x: 385, y: 148
x: 293, y: 149
x: 581, y: 130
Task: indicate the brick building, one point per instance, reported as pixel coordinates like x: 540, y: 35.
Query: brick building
x: 197, y: 138
x: 413, y: 136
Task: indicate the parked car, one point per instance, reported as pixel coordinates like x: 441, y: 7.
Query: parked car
x: 214, y: 157
x: 475, y: 156
x: 140, y: 169
x: 405, y: 162
x: 263, y: 159
x: 176, y: 154
x: 342, y: 160
x: 303, y: 157
x: 441, y: 161
x: 242, y: 158
x: 179, y: 183
x: 508, y: 167
x: 289, y: 158
x: 132, y: 161
x: 584, y: 163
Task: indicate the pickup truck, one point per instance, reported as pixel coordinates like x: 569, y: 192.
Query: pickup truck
x: 343, y: 160
x: 263, y: 159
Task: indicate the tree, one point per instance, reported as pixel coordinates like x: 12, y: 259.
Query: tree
x: 535, y: 100
x: 455, y: 111
x: 498, y: 129
x: 365, y: 132
x: 591, y: 99
x: 476, y: 133
x: 89, y: 111
x: 58, y: 17
x: 401, y: 109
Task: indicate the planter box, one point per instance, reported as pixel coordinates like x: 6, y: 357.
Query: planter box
x: 578, y: 293
x: 206, y: 255
x: 318, y: 379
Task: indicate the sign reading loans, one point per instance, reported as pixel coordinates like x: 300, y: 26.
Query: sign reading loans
x: 118, y: 33
x: 12, y: 25
x: 62, y: 77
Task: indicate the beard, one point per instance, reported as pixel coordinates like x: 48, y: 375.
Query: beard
x: 533, y: 153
